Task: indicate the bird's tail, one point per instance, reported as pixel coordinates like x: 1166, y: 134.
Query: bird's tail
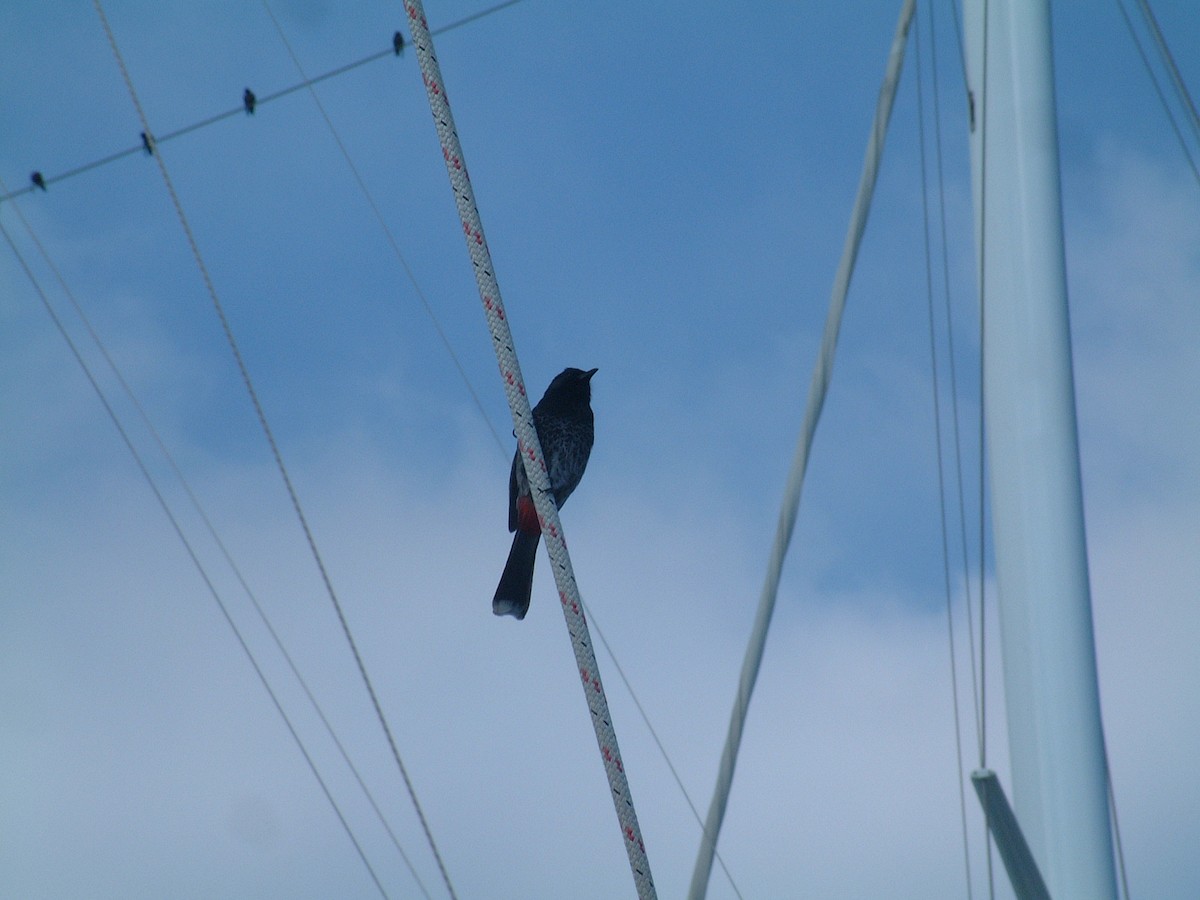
x: 516, y: 584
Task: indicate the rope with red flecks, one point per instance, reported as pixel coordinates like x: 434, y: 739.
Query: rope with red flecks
x: 531, y: 451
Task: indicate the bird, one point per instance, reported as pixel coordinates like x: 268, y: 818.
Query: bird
x: 38, y: 180
x: 565, y: 428
x: 248, y: 101
x: 397, y: 43
x: 147, y: 144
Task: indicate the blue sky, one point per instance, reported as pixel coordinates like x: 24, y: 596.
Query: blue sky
x: 665, y: 189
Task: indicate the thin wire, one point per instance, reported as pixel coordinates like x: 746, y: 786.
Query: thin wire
x: 391, y: 239
x: 466, y: 20
x: 1162, y: 98
x: 1181, y: 89
x: 951, y: 356
x: 937, y: 427
x: 212, y: 531
x: 58, y: 324
x: 275, y: 452
x: 962, y: 60
x: 1112, y: 805
x: 983, y: 118
x: 954, y: 404
x: 983, y: 122
x: 654, y: 734
x: 195, y: 126
x: 240, y: 109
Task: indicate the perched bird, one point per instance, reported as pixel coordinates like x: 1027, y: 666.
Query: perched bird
x: 564, y: 423
x: 398, y: 43
x: 147, y: 145
x: 248, y: 101
x: 38, y: 180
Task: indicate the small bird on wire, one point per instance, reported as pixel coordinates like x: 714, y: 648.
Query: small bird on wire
x: 565, y: 429
x: 147, y: 144
x: 38, y: 180
x: 248, y: 101
x: 397, y: 43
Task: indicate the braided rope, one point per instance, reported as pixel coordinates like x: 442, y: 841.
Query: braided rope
x: 531, y: 451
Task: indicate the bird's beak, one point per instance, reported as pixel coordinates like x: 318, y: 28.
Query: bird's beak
x: 590, y: 372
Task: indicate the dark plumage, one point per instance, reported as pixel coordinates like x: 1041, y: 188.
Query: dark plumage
x: 398, y: 43
x: 38, y: 180
x: 565, y: 429
x: 248, y: 101
x: 147, y: 145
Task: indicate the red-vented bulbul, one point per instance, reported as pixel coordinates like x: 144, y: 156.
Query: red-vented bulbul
x: 563, y: 419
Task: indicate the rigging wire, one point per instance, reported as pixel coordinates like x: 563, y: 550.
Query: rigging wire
x: 46, y: 180
x: 1185, y: 98
x: 195, y: 126
x: 952, y: 356
x: 1162, y: 98
x: 983, y: 170
x: 983, y: 118
x: 1112, y: 807
x: 177, y: 528
x: 144, y: 416
x: 1181, y: 89
x: 937, y: 427
x: 391, y: 238
x: 974, y: 119
x: 274, y: 447
x: 962, y: 61
x: 661, y: 748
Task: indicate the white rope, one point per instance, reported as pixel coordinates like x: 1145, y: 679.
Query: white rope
x: 531, y: 451
x: 818, y: 387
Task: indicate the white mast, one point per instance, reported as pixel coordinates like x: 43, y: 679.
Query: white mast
x: 1055, y: 739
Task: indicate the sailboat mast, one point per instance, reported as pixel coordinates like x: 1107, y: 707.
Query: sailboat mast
x: 1056, y: 742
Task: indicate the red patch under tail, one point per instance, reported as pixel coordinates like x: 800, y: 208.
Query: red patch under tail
x: 527, y: 517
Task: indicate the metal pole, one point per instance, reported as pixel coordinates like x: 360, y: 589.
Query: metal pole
x: 1055, y: 738
x: 1023, y: 874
